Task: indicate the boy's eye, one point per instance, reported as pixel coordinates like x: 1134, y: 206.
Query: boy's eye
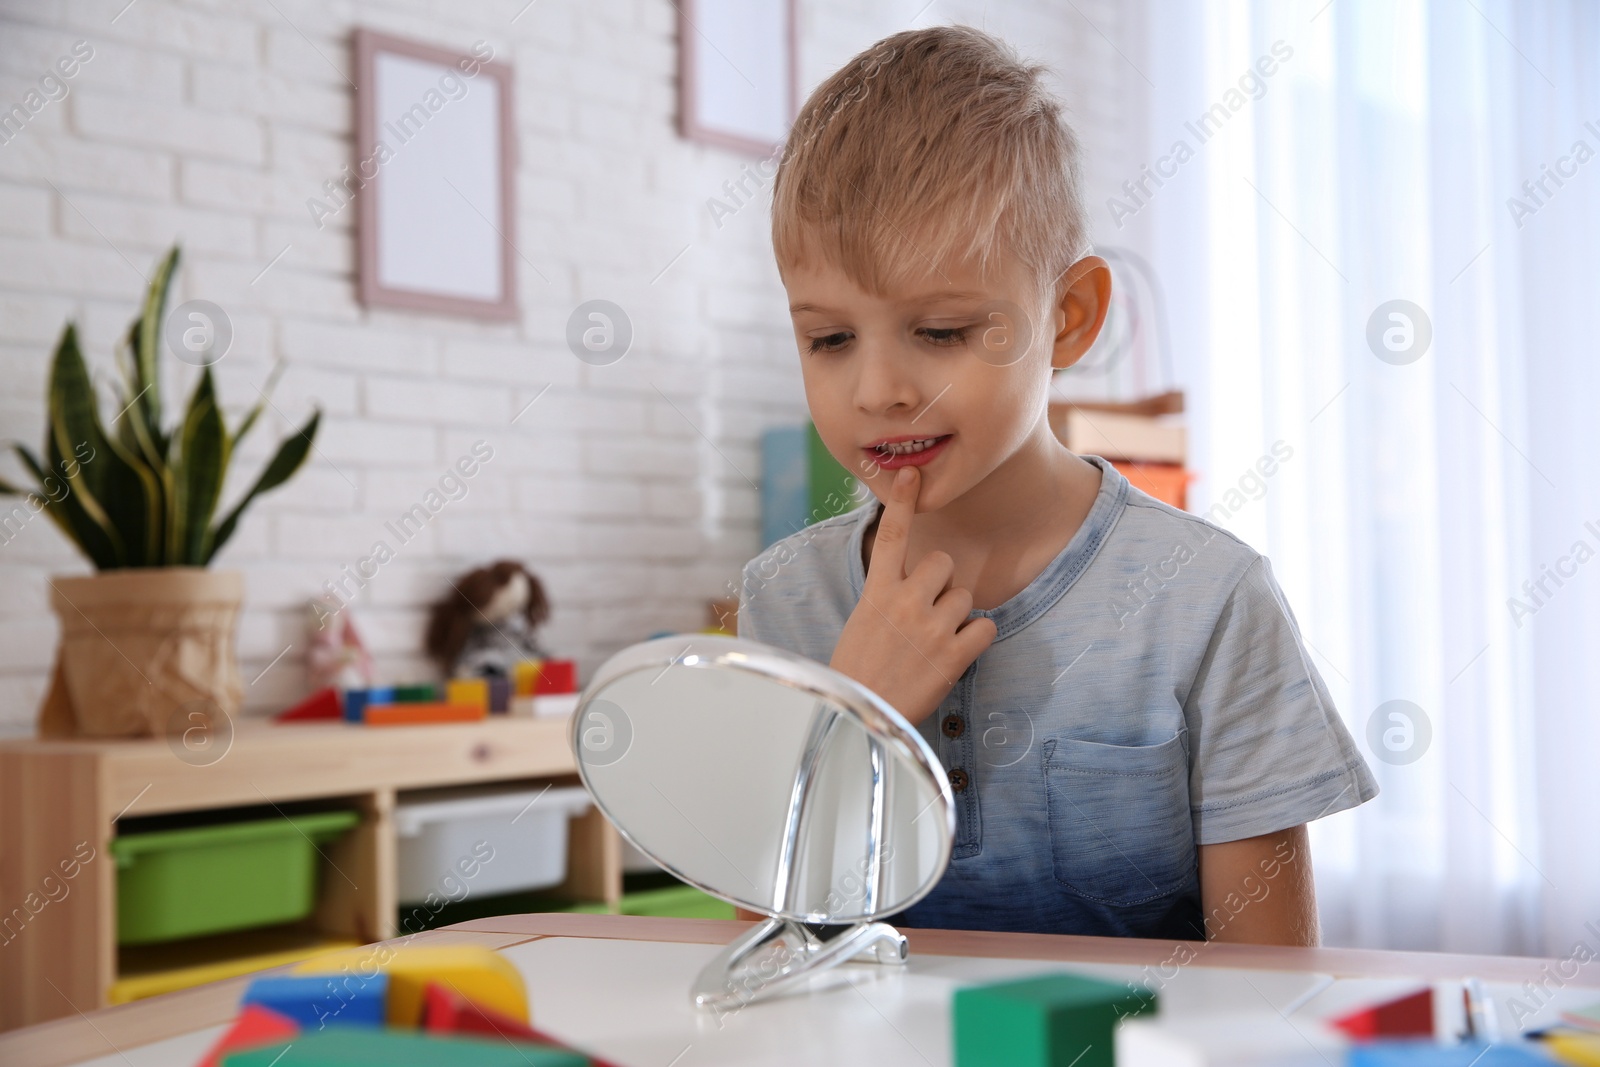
x: 831, y: 343
x: 947, y: 337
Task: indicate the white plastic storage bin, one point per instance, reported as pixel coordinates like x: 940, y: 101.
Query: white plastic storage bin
x: 477, y: 841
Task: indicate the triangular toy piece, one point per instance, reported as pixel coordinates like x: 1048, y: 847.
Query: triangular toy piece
x: 323, y: 704
x: 445, y: 1011
x: 254, y: 1026
x: 1409, y: 1016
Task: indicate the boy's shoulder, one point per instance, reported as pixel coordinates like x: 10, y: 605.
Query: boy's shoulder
x: 1147, y: 521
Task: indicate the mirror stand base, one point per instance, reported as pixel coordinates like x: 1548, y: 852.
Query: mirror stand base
x: 778, y: 954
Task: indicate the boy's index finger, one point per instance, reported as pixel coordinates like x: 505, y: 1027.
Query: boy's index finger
x: 894, y: 525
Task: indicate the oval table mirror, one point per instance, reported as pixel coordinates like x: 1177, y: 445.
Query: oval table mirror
x: 776, y: 784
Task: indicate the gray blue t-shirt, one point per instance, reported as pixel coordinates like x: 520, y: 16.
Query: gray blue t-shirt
x: 1147, y: 693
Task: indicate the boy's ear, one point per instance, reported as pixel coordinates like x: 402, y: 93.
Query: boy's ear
x: 1085, y: 295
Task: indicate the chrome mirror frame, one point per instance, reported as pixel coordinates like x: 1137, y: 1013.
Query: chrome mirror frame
x: 781, y: 952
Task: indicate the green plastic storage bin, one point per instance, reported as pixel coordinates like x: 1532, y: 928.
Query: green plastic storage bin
x: 208, y: 879
x: 677, y: 902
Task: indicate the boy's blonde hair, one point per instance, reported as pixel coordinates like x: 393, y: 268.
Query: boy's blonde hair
x: 933, y: 146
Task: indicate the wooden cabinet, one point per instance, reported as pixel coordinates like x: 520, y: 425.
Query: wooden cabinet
x: 61, y: 801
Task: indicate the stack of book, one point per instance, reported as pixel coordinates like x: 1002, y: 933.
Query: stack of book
x: 1144, y: 439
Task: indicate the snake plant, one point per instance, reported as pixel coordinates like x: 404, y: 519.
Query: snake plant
x: 142, y: 496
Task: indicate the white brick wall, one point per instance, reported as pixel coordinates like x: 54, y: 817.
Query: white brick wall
x: 213, y: 122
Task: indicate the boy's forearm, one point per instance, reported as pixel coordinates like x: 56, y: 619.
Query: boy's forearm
x: 1259, y: 890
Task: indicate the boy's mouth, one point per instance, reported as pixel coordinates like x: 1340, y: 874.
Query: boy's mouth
x: 906, y: 450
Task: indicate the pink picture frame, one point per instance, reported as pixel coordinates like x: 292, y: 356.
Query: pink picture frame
x: 691, y: 125
x: 372, y: 289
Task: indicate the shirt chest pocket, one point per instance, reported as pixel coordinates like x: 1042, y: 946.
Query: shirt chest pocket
x: 1120, y: 826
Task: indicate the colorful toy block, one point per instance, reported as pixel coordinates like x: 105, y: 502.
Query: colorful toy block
x: 416, y: 693
x: 344, y: 1047
x: 412, y: 714
x: 1577, y: 1050
x: 323, y: 704
x: 468, y: 691
x: 1427, y: 1054
x: 556, y: 676
x: 444, y: 1011
x: 356, y: 700
x: 315, y: 1001
x: 471, y: 971
x: 255, y: 1026
x: 1408, y: 1016
x: 500, y: 693
x: 525, y: 677
x: 1051, y: 1021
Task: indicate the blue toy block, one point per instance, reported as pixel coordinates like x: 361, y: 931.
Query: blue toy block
x: 318, y: 1000
x: 356, y: 700
x: 1428, y: 1054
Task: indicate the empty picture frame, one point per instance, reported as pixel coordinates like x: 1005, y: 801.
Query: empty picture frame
x: 435, y: 165
x: 737, y: 73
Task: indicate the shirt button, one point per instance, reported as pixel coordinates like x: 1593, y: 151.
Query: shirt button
x: 952, y: 726
x: 958, y: 780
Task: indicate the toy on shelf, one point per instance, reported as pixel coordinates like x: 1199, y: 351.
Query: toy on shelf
x: 472, y: 692
x: 338, y: 658
x: 404, y: 714
x: 545, y: 687
x: 409, y: 704
x: 485, y: 624
x: 323, y: 704
x: 388, y: 1006
x: 357, y: 700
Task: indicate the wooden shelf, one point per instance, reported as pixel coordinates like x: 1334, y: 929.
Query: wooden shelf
x: 60, y: 802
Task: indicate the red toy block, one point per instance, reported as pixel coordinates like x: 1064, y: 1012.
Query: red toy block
x: 323, y: 704
x: 556, y: 676
x: 444, y: 1011
x: 1410, y: 1016
x: 254, y: 1026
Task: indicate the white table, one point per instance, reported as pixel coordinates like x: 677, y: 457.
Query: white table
x: 618, y: 986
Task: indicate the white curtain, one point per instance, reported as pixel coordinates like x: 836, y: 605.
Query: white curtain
x: 1382, y: 159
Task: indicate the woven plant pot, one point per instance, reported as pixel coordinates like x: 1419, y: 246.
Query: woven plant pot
x: 142, y: 651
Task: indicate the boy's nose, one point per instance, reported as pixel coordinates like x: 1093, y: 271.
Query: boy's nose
x: 883, y: 382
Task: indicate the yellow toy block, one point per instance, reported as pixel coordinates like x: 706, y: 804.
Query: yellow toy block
x: 480, y: 975
x: 525, y: 677
x: 1580, y: 1050
x: 468, y: 691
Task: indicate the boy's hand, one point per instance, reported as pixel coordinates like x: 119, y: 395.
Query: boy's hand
x: 909, y: 639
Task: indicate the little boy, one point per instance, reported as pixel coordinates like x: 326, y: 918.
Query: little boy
x: 1134, y: 734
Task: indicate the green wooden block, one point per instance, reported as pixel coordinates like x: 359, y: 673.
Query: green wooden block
x: 351, y: 1047
x: 1059, y: 1020
x: 416, y: 693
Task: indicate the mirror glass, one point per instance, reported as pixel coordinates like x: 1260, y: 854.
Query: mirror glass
x: 764, y: 778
